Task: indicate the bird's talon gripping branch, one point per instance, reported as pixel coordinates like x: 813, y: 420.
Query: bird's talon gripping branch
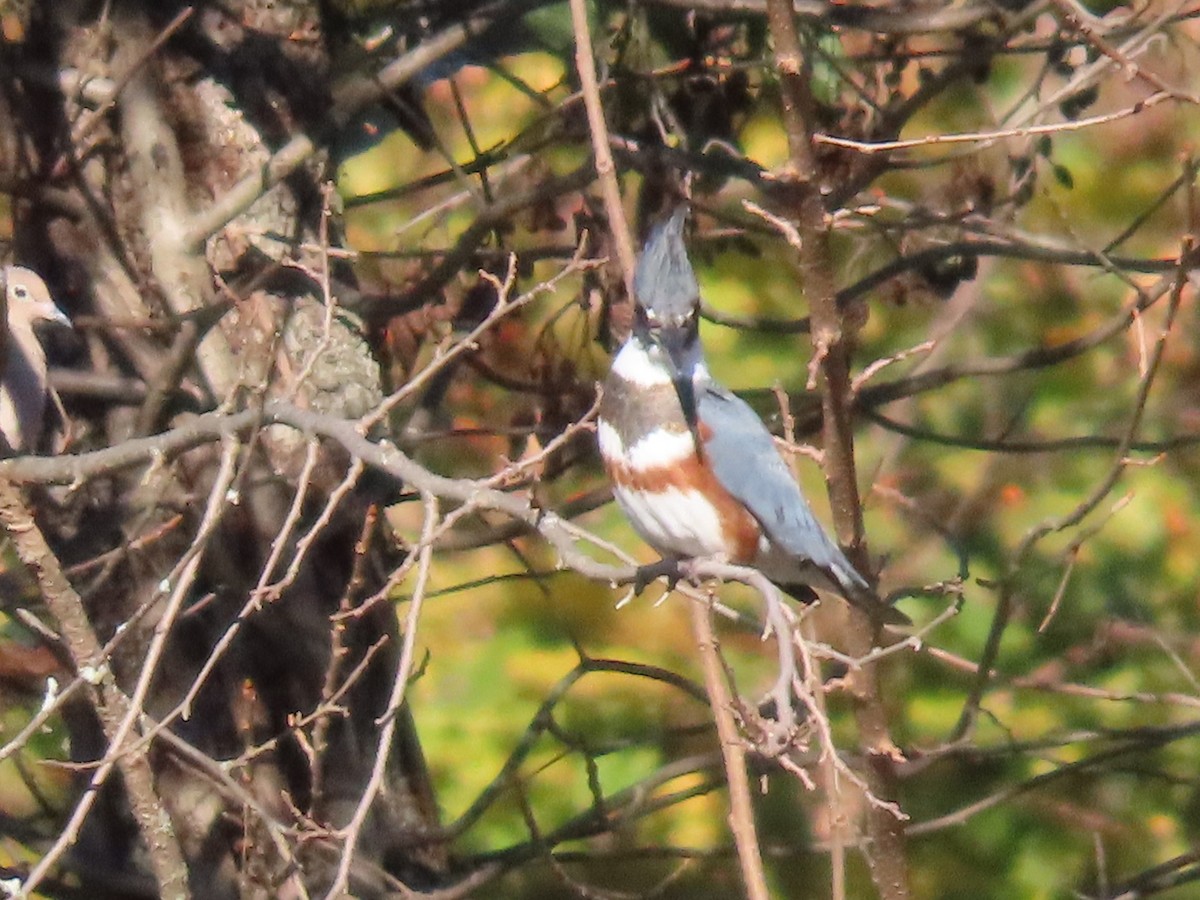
x: 667, y: 567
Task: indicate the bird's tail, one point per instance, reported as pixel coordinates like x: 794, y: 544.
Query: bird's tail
x: 857, y: 592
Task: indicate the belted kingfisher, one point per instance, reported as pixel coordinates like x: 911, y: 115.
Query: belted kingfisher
x: 692, y: 465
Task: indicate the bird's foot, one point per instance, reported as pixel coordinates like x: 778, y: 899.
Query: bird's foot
x: 667, y: 567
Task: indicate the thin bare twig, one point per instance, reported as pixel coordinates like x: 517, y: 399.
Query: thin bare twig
x: 352, y: 831
x: 733, y: 755
x: 813, y: 685
x: 987, y: 137
x: 585, y: 63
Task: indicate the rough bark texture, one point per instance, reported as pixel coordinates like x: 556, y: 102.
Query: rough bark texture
x: 115, y: 169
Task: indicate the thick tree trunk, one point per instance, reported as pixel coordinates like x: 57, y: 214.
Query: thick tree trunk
x: 122, y: 131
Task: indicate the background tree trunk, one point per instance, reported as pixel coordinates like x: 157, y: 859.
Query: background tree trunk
x: 149, y: 135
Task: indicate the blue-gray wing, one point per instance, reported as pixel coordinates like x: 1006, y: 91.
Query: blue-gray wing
x: 745, y: 460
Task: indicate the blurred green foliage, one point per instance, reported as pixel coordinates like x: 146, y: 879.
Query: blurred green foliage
x: 1114, y: 661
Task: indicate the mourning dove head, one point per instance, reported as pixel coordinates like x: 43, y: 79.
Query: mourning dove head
x: 24, y: 383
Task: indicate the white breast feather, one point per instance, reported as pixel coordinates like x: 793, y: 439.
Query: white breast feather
x: 608, y: 439
x: 675, y: 522
x: 634, y: 364
x: 659, y: 449
x: 681, y: 523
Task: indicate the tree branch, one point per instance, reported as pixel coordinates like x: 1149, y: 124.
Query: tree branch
x: 117, y: 714
x: 800, y: 191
